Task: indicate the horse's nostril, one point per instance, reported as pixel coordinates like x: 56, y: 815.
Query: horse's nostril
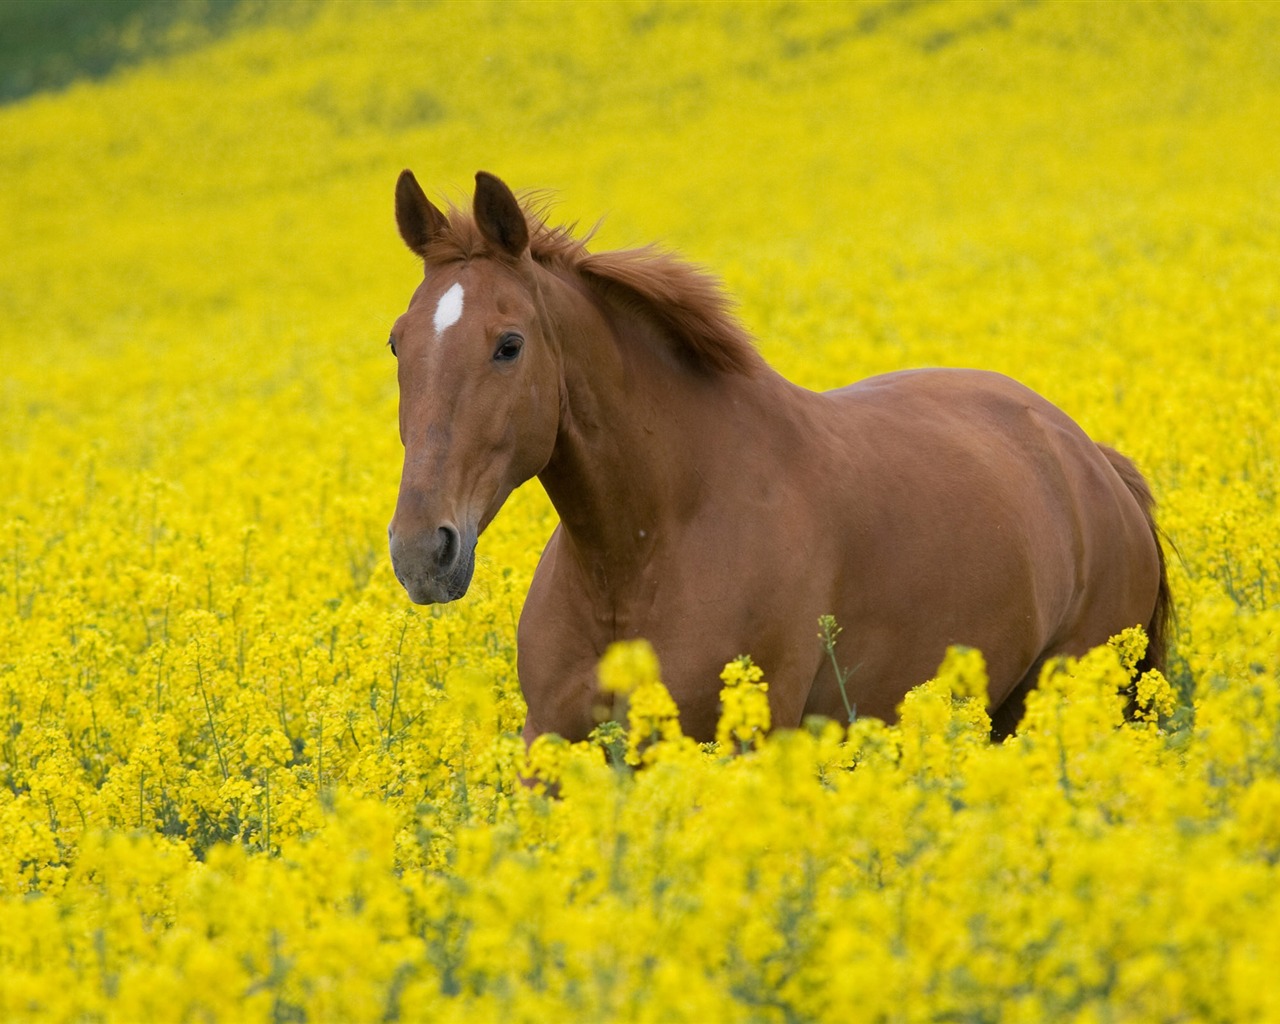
x: 450, y: 546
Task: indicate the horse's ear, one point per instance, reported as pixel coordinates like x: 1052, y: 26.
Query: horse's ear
x: 419, y: 222
x: 499, y: 216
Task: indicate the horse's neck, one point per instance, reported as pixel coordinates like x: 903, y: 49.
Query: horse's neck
x: 634, y: 434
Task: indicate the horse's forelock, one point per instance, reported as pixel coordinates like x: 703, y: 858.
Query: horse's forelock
x: 462, y: 239
x: 687, y: 301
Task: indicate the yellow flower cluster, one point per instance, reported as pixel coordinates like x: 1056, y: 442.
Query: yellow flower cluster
x: 744, y: 706
x: 242, y: 778
x: 629, y: 670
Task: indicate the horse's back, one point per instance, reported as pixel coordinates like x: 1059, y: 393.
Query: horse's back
x: 986, y: 517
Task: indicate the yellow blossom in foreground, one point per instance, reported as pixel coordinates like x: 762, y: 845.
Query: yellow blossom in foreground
x: 744, y: 706
x: 628, y: 666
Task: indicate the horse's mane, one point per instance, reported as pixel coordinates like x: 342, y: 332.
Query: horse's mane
x: 688, y: 302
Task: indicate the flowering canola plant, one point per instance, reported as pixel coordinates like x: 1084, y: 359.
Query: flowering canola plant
x: 242, y: 778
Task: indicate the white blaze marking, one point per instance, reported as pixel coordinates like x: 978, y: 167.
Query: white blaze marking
x: 449, y: 309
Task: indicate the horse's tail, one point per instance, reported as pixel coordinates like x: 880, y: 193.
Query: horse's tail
x: 1161, y: 625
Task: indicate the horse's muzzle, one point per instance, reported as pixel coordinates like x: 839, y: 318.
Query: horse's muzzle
x: 434, y: 567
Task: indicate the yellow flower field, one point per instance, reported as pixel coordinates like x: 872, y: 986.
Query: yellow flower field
x: 241, y: 777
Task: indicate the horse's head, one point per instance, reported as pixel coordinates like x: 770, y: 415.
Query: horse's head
x: 479, y: 383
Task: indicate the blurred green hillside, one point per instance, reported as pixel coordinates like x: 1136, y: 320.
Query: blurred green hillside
x: 49, y: 44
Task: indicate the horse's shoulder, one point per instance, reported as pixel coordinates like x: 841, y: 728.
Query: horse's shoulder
x: 541, y: 603
x: 555, y: 655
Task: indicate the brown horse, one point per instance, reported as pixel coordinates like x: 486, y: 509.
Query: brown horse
x: 714, y: 508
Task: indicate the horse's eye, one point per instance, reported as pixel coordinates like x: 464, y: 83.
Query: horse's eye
x: 391, y: 344
x: 509, y: 346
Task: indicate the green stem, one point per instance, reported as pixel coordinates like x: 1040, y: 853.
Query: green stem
x: 213, y: 728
